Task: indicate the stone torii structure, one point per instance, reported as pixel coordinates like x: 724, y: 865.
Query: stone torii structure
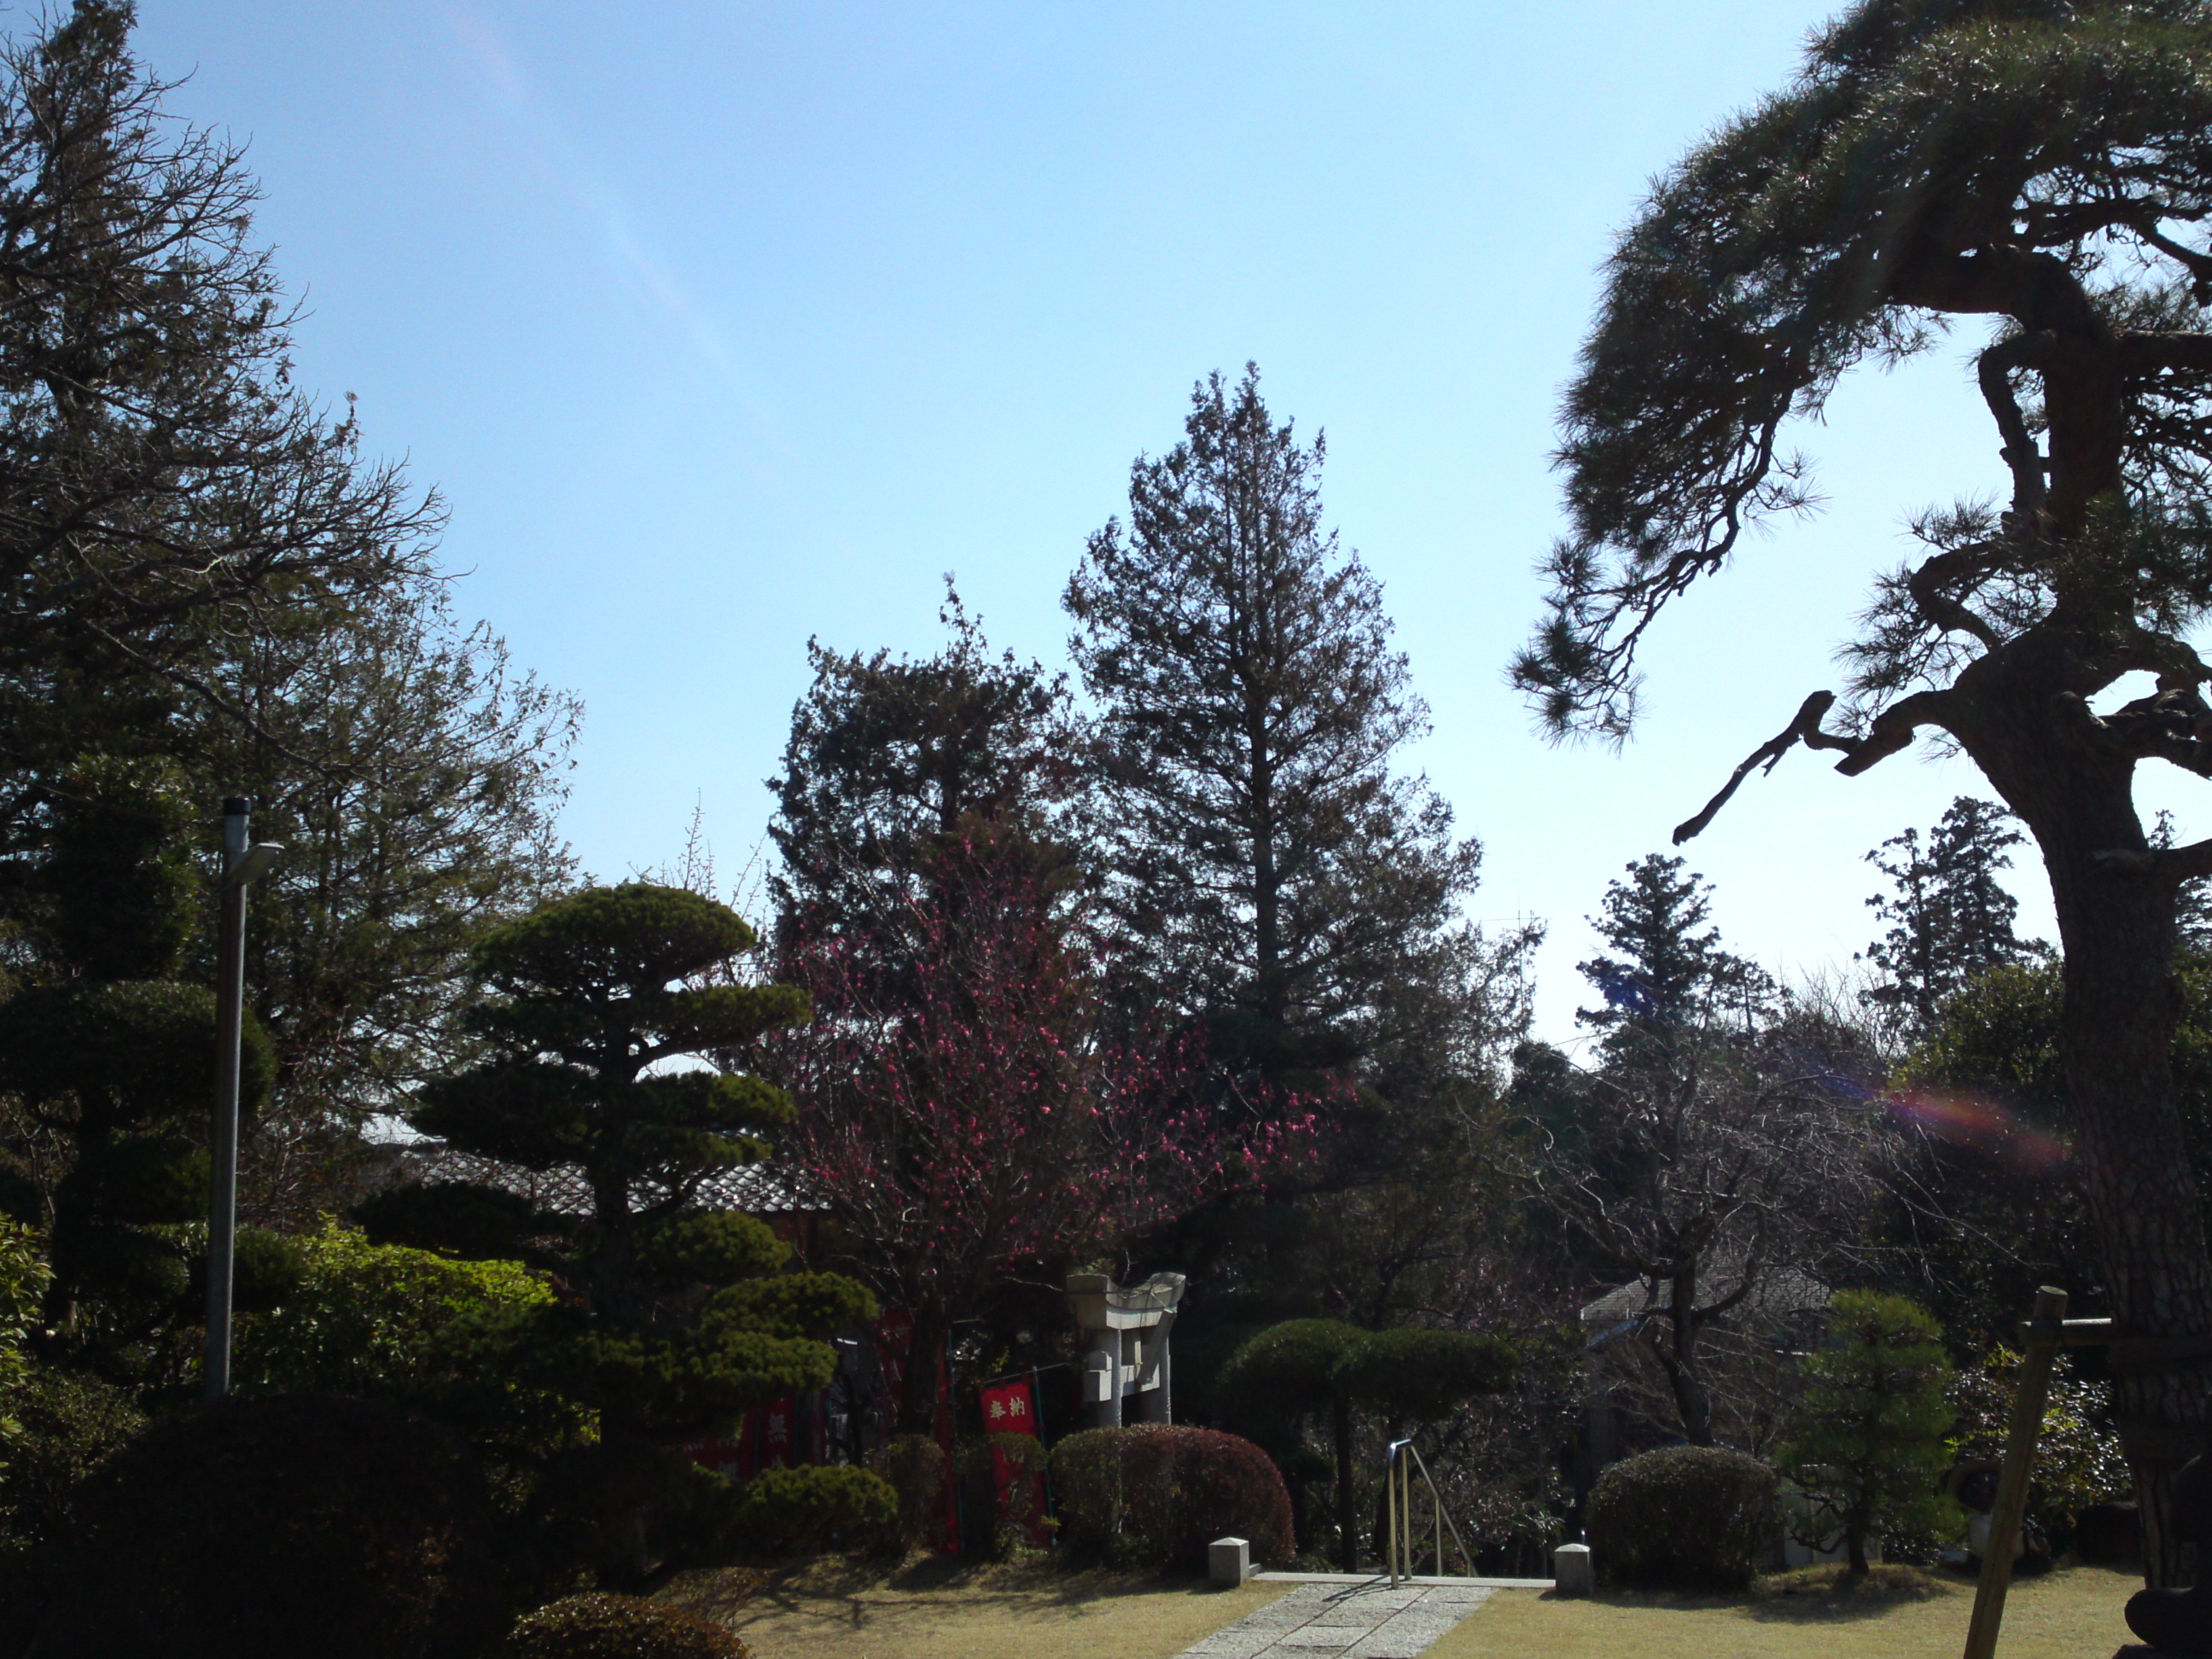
x: 1125, y: 1342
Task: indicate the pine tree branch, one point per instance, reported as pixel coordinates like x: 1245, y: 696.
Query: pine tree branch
x: 1891, y: 730
x: 1994, y: 371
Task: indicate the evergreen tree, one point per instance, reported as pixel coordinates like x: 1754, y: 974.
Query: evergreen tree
x: 678, y: 1316
x: 167, y: 483
x: 204, y: 568
x: 890, y: 760
x: 2039, y: 172
x: 113, y: 1056
x: 1950, y: 918
x: 1669, y: 975
x: 1873, y: 1430
x: 1273, y: 873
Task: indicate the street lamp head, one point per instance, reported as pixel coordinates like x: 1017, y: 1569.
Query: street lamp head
x: 253, y: 863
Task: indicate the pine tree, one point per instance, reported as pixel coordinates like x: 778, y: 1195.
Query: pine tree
x: 678, y: 1316
x: 1872, y: 1429
x: 113, y: 1056
x: 1951, y: 918
x: 1275, y: 874
x: 891, y: 760
x: 203, y: 566
x: 2039, y: 173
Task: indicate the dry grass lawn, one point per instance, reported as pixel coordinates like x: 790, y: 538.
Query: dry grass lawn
x: 838, y: 1609
x: 2071, y: 1614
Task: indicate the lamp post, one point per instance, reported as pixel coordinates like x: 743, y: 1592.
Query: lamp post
x: 242, y: 861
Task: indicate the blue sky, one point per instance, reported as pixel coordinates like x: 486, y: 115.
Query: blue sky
x: 723, y: 326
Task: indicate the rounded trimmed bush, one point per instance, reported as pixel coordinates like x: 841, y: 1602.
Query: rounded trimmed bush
x: 914, y: 1465
x: 65, y: 1425
x: 264, y: 1529
x: 604, y: 1626
x: 1156, y: 1495
x: 1683, y: 1517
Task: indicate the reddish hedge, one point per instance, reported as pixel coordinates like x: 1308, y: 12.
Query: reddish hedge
x: 1156, y: 1496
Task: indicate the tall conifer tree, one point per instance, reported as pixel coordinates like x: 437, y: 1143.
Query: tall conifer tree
x: 1275, y: 873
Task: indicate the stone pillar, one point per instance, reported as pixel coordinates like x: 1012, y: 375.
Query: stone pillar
x: 1573, y: 1571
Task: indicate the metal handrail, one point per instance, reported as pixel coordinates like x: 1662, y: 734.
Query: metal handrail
x: 1398, y: 1497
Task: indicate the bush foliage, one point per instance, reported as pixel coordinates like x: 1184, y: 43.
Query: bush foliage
x: 265, y: 1528
x: 913, y: 1466
x: 1682, y: 1517
x: 603, y: 1627
x: 1156, y: 1496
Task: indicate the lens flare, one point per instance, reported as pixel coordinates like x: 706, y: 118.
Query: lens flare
x: 1976, y: 1123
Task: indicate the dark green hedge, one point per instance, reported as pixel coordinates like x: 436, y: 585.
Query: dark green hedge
x: 1683, y: 1517
x: 271, y: 1528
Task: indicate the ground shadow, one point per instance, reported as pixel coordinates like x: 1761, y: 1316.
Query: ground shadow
x: 840, y: 1590
x: 1813, y: 1596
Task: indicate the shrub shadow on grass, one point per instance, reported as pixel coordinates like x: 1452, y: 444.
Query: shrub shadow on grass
x: 843, y: 1590
x: 1809, y: 1596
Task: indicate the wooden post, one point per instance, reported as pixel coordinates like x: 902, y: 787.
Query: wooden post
x: 2040, y: 1337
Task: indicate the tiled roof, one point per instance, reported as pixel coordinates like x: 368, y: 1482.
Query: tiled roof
x: 753, y: 1187
x: 1780, y: 1292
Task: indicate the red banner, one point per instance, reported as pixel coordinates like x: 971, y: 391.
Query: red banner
x: 1009, y: 1409
x: 1018, y: 1483
x: 731, y: 1459
x: 779, y: 1447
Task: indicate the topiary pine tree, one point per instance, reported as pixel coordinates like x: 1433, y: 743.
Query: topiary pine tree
x: 1873, y: 1428
x: 110, y: 1052
x: 677, y: 1315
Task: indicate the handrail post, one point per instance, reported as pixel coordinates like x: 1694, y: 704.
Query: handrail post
x: 1390, y: 1515
x: 2042, y: 1332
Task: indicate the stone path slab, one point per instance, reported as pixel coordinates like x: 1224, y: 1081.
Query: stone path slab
x: 1368, y: 1620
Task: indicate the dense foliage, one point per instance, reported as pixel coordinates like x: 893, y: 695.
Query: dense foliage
x: 1156, y: 1496
x: 1683, y: 1517
x: 605, y: 1626
x: 269, y: 1528
x: 1873, y: 1435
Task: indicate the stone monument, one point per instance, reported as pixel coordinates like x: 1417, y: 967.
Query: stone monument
x: 1125, y: 1342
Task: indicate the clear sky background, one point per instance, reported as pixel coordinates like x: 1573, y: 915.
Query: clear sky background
x: 723, y: 325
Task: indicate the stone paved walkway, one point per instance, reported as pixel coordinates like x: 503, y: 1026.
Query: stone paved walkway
x: 1345, y: 1621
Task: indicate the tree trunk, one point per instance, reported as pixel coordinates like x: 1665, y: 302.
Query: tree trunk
x: 2121, y: 1002
x: 1692, y: 1400
x: 918, y: 1411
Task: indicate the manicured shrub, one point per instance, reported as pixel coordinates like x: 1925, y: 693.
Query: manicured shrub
x: 265, y: 1528
x: 913, y: 1466
x: 995, y: 1523
x: 1156, y: 1496
x: 1682, y: 1517
x: 60, y: 1426
x: 602, y: 1626
x: 792, y: 1508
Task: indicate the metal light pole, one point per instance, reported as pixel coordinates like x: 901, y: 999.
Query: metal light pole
x: 241, y: 862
